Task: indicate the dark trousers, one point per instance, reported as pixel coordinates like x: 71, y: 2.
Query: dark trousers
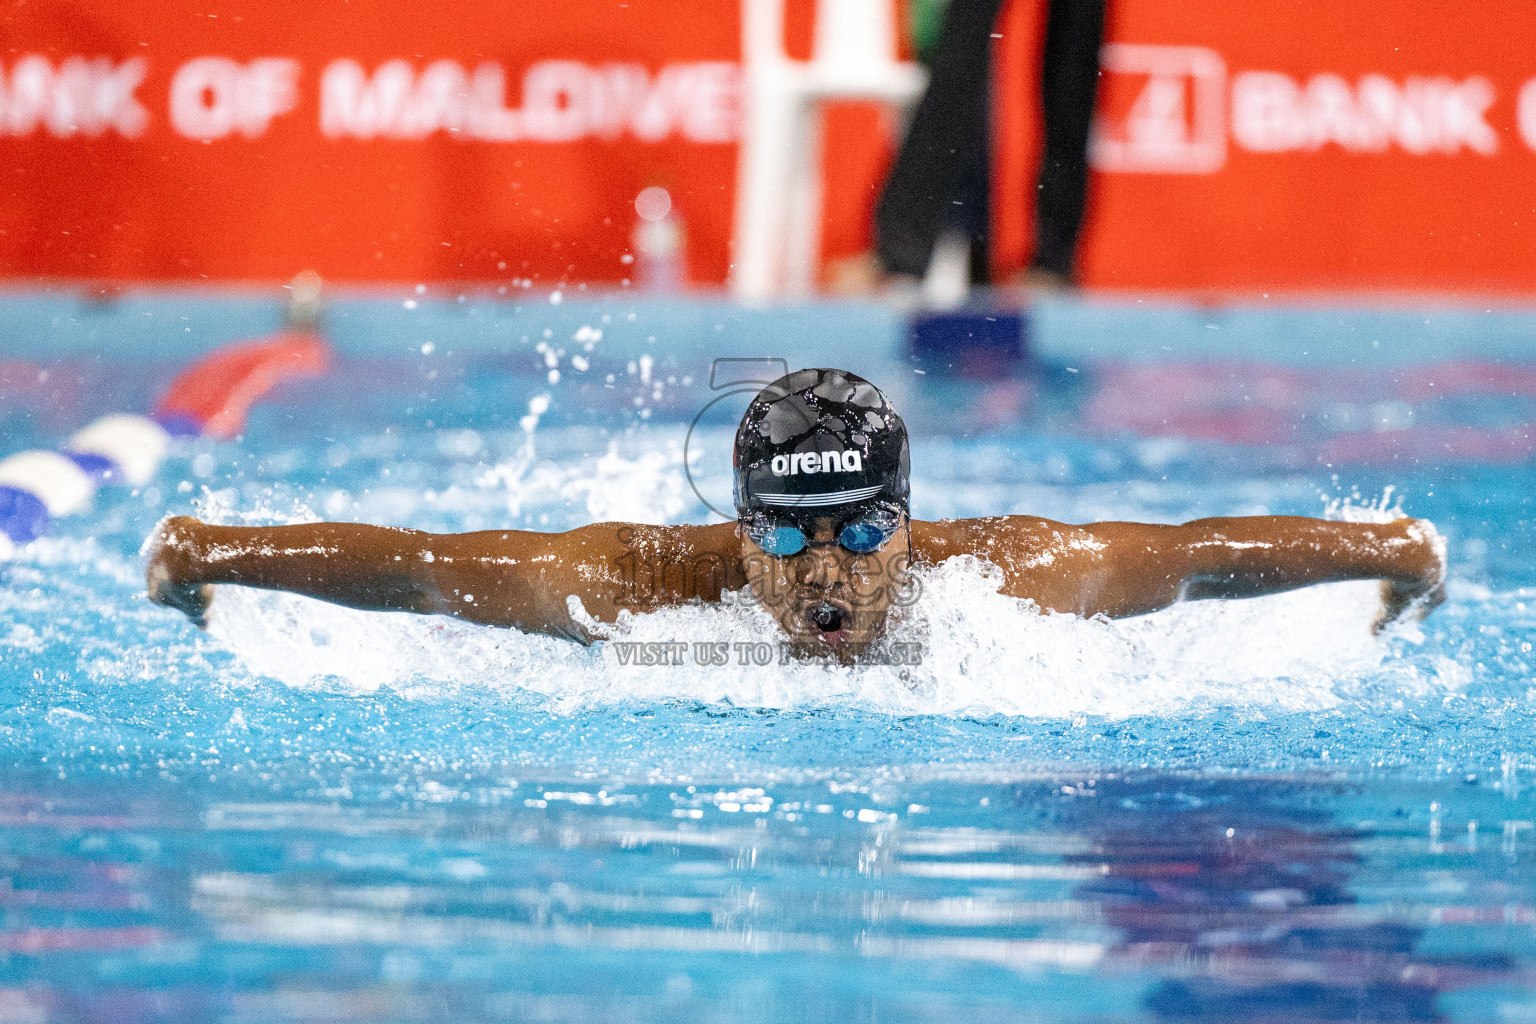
x: 942, y: 175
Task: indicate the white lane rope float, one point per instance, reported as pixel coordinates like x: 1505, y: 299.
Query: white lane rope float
x: 211, y: 398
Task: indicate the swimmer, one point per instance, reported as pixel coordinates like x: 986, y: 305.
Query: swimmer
x: 822, y: 539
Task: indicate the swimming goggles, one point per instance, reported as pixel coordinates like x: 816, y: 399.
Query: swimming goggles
x: 781, y: 536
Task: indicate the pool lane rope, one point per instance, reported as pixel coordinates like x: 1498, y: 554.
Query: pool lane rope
x: 211, y: 398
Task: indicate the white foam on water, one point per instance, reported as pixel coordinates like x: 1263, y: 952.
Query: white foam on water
x: 983, y: 653
x: 306, y: 643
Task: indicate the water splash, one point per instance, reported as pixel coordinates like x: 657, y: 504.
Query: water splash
x: 649, y: 488
x: 1356, y: 508
x: 982, y: 653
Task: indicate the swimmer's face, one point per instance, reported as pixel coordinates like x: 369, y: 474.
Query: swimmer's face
x: 827, y: 598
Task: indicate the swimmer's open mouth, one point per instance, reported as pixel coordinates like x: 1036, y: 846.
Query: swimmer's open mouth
x: 829, y: 621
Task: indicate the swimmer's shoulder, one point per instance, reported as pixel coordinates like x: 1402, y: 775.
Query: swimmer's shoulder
x: 685, y: 535
x: 679, y: 537
x: 936, y: 540
x: 649, y: 542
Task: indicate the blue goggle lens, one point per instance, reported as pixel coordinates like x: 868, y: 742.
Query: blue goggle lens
x: 781, y: 541
x: 864, y: 536
x: 868, y: 533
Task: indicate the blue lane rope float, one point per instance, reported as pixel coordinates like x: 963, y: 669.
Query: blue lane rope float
x: 37, y: 487
x: 210, y: 398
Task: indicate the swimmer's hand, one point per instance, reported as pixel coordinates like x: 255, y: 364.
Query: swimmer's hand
x: 1402, y: 603
x: 1413, y: 598
x: 165, y: 575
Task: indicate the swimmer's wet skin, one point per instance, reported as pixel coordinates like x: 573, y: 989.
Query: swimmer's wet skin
x: 822, y: 538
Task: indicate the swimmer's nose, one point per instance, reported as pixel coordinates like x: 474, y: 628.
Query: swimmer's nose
x: 820, y: 565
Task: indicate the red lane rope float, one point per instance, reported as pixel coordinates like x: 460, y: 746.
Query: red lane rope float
x: 213, y: 396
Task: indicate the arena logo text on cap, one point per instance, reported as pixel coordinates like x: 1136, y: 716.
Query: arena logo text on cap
x: 818, y: 462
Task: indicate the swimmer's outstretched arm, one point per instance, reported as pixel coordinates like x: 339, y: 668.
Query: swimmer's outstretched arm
x: 495, y: 577
x: 1120, y: 569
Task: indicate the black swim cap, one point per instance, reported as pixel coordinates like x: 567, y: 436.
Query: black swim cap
x: 820, y: 439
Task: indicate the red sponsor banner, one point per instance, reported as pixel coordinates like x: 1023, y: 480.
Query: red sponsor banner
x: 388, y: 140
x: 1250, y: 147
x: 1306, y: 145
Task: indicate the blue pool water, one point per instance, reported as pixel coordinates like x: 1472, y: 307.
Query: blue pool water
x: 1244, y: 811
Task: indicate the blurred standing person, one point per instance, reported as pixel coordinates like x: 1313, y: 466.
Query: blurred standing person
x: 941, y: 179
